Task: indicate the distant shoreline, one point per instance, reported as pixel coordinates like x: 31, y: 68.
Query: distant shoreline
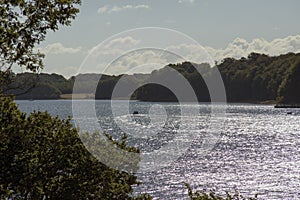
x: 89, y: 96
x: 77, y: 96
x: 257, y: 79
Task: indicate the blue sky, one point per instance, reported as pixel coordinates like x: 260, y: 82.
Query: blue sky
x: 224, y: 28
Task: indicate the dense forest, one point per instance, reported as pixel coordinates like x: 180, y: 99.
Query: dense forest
x: 257, y: 78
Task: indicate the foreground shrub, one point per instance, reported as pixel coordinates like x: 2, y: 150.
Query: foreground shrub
x: 211, y: 195
x: 42, y: 157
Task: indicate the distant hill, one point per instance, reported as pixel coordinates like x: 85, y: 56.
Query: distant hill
x: 54, y: 86
x: 257, y: 78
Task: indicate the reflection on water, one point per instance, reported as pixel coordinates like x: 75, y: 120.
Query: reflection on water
x: 258, y: 151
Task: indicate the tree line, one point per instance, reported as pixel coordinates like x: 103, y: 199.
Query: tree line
x: 257, y: 78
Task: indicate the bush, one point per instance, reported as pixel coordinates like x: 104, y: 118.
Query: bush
x: 211, y: 195
x: 43, y: 158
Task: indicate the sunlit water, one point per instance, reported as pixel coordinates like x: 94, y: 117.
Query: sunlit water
x: 258, y: 151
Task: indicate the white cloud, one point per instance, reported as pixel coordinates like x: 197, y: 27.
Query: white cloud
x: 110, y: 9
x: 242, y: 48
x: 142, y: 60
x: 67, y: 71
x: 103, y: 9
x: 191, y: 52
x: 186, y: 1
x: 116, y: 50
x: 115, y: 46
x: 120, y: 42
x: 58, y: 48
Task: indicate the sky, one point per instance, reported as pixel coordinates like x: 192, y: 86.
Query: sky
x: 231, y: 28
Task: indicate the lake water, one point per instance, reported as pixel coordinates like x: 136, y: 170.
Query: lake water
x: 257, y: 152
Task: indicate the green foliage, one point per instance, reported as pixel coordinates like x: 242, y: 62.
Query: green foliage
x: 155, y: 92
x: 116, y: 154
x: 43, y: 158
x: 211, y: 195
x: 50, y: 86
x: 254, y: 79
x: 24, y: 24
x: 288, y: 91
x: 38, y: 86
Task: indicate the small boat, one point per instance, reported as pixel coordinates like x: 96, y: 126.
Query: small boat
x: 135, y: 112
x: 289, y: 113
